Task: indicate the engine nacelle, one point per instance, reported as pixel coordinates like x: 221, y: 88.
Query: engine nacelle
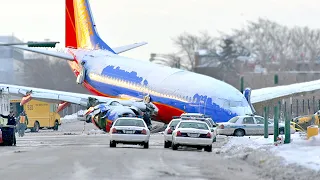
x: 104, y: 115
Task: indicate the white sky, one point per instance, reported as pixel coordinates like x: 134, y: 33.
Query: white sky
x: 121, y: 22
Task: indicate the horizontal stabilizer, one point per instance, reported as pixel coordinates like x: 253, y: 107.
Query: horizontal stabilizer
x: 122, y: 49
x: 33, y: 44
x: 46, y: 52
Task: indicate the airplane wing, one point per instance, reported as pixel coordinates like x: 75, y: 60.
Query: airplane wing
x: 62, y: 97
x: 264, y: 94
x: 122, y: 49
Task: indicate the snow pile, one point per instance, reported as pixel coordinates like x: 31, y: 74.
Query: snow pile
x: 303, y: 152
x: 71, y: 118
x: 300, y: 158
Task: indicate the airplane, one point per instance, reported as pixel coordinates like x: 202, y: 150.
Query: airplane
x: 126, y: 86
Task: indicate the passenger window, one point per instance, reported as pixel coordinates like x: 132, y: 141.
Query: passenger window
x: 51, y: 107
x: 248, y: 120
x: 259, y: 120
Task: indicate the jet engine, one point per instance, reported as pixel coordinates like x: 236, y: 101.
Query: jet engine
x: 103, y: 115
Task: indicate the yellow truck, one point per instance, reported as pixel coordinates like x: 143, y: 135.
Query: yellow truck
x: 307, y: 120
x: 40, y: 114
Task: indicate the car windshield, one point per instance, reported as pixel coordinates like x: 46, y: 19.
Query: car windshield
x: 129, y: 122
x: 233, y: 120
x: 195, y: 125
x: 174, y: 123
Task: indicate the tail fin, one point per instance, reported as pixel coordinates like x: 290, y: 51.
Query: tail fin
x: 80, y: 28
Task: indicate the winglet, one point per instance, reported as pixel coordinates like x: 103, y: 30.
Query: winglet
x: 125, y: 48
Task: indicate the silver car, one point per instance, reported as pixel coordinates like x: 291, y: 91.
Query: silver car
x: 248, y: 125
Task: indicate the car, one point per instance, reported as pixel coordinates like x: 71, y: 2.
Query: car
x: 201, y: 117
x: 192, y: 133
x: 168, y: 132
x: 248, y: 125
x: 129, y: 130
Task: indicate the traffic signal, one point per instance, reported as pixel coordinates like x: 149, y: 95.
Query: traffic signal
x: 276, y: 79
x: 241, y: 84
x: 42, y: 44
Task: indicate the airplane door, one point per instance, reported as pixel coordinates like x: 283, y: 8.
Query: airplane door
x: 202, y: 105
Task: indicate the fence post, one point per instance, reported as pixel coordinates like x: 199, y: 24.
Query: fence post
x: 314, y: 104
x: 297, y: 108
x: 287, y: 135
x: 308, y: 106
x: 266, y: 112
x: 276, y: 124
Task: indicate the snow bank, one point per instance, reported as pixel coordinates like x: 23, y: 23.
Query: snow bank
x: 71, y: 118
x: 300, y: 151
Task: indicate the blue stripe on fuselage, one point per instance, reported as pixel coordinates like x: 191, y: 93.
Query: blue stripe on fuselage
x: 217, y: 113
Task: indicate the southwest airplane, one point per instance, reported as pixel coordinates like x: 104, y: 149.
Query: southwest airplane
x: 122, y: 86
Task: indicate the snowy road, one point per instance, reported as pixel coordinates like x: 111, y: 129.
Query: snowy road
x: 71, y: 153
x: 89, y: 157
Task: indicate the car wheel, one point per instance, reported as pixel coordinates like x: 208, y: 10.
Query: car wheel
x: 239, y: 132
x: 146, y: 145
x: 113, y: 144
x: 167, y: 144
x: 199, y: 148
x: 281, y: 130
x: 36, y: 127
x: 174, y: 147
x: 56, y: 126
x: 208, y: 148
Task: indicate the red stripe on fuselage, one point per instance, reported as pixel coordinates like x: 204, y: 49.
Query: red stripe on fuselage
x: 165, y: 111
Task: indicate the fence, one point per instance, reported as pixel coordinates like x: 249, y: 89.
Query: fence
x: 294, y: 107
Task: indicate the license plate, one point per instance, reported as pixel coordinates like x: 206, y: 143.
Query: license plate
x: 194, y: 135
x: 129, y: 132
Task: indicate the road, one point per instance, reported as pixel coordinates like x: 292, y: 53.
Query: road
x: 59, y: 157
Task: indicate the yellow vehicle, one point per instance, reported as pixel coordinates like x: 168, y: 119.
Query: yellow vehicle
x: 307, y: 120
x: 40, y: 114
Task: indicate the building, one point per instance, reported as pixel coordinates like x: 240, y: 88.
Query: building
x: 11, y: 67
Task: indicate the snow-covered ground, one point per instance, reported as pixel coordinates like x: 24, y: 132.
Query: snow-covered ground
x: 71, y: 118
x: 300, y: 151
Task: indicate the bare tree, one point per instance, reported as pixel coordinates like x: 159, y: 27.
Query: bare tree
x: 189, y: 44
x: 272, y: 42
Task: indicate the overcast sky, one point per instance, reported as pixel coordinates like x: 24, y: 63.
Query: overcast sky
x: 121, y: 22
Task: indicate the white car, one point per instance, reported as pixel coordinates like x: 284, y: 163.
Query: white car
x: 201, y: 117
x: 129, y: 130
x: 248, y: 125
x: 168, y: 132
x: 192, y: 133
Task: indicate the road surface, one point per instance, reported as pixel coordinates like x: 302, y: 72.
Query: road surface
x: 45, y: 156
